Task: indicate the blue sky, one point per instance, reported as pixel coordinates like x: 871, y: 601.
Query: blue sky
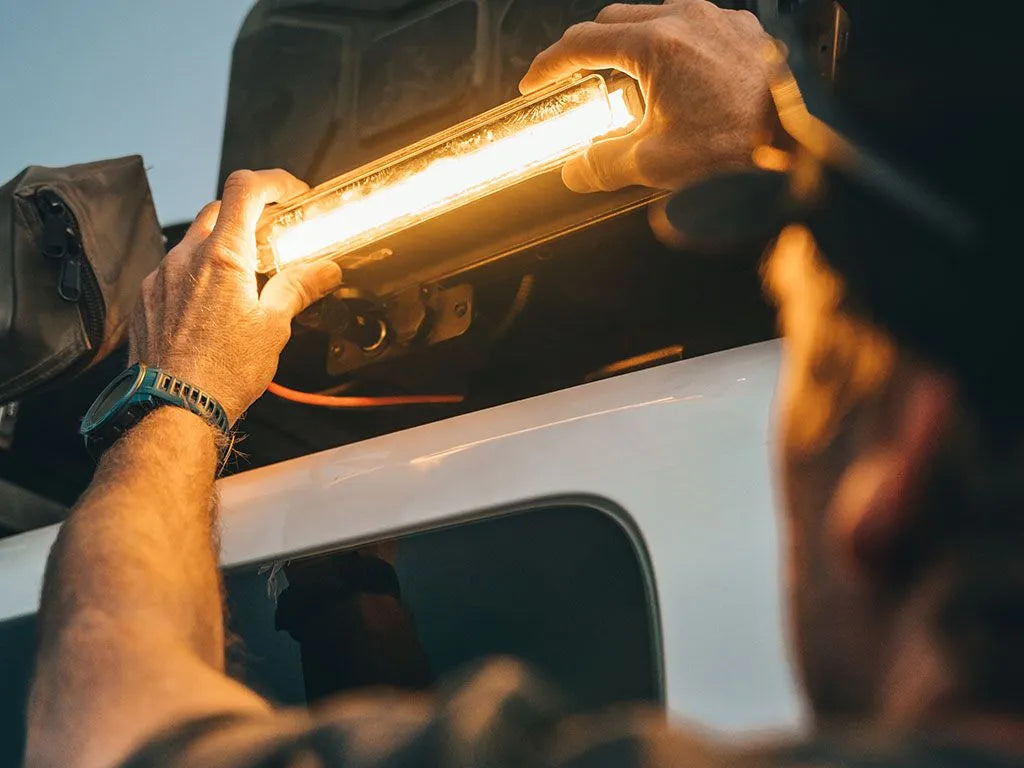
x: 84, y: 80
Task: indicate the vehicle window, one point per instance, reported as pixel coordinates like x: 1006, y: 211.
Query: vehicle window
x: 563, y: 587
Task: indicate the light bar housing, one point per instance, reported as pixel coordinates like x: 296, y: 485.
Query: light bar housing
x: 482, y: 189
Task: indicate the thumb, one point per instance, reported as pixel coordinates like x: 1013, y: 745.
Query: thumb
x: 603, y: 167
x: 296, y: 287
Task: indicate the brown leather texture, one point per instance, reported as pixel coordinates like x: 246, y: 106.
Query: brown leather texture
x: 43, y: 336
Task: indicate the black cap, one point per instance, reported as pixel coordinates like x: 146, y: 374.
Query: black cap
x: 932, y: 90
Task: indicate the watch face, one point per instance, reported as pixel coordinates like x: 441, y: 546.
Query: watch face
x: 110, y: 398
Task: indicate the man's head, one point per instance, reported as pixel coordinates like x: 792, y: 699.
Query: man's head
x: 905, y: 513
x: 902, y: 447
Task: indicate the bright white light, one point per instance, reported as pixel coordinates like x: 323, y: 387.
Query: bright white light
x: 483, y: 162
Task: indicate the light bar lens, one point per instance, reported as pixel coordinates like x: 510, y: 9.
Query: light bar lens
x: 491, y: 152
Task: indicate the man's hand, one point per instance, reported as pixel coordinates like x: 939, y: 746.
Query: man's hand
x: 200, y: 316
x: 131, y: 624
x: 703, y: 72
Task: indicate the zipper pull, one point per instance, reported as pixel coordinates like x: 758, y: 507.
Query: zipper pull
x: 70, y: 284
x: 55, y: 232
x: 61, y: 241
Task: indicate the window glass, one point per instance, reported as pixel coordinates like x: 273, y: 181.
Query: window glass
x: 562, y: 587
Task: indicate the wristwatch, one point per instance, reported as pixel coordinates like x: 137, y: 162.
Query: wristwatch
x: 138, y: 391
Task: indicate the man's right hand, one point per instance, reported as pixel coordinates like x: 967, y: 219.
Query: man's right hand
x: 704, y: 73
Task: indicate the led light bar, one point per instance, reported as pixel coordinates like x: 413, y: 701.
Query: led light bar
x: 491, y: 152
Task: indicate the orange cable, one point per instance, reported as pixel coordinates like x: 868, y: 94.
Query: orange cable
x: 330, y: 401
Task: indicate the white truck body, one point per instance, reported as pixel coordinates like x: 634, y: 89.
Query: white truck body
x: 679, y: 455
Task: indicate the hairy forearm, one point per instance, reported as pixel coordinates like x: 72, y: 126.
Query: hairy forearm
x: 131, y: 621
x: 138, y: 549
x: 132, y: 589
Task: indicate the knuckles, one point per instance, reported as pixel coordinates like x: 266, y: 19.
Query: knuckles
x: 206, y: 218
x: 748, y: 22
x: 242, y: 180
x: 612, y: 13
x: 669, y: 41
x: 208, y: 210
x: 695, y: 9
x: 578, y: 33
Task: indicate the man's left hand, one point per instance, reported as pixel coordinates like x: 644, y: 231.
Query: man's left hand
x: 200, y: 316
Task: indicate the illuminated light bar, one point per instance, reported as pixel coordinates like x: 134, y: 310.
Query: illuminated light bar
x: 486, y: 154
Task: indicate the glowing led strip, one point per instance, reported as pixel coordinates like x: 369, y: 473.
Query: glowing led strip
x: 452, y: 180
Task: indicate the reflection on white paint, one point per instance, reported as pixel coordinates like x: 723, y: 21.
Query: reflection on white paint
x: 434, y: 457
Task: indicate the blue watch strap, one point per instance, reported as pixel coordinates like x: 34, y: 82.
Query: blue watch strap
x: 136, y: 392
x: 174, y: 391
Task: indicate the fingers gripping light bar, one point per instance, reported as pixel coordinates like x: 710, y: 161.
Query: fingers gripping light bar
x: 492, y: 152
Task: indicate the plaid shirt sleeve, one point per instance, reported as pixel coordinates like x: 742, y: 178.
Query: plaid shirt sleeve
x: 500, y: 716
x: 495, y: 716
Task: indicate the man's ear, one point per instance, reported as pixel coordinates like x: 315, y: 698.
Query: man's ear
x: 876, y: 497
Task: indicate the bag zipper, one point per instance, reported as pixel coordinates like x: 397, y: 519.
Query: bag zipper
x: 62, y: 241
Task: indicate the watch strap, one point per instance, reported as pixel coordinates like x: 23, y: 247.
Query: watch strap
x: 174, y: 391
x: 153, y: 389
